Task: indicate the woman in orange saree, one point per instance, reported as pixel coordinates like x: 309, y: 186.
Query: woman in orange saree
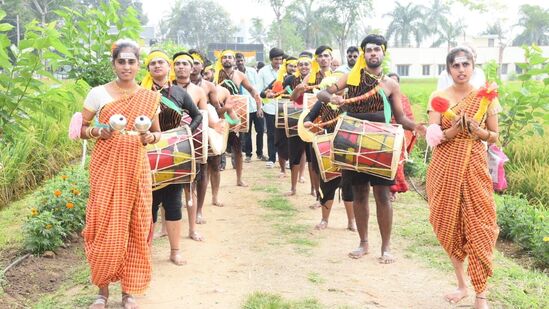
x: 459, y: 188
x: 118, y: 215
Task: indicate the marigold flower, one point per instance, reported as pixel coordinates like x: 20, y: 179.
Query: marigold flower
x: 75, y: 192
x: 546, y: 238
x: 69, y: 205
x: 49, y: 226
x: 64, y: 177
x: 57, y: 193
x: 34, y: 212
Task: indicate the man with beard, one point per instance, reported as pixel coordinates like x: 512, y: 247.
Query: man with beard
x: 267, y: 75
x: 253, y: 107
x: 157, y: 78
x: 365, y: 76
x: 352, y: 56
x: 226, y: 76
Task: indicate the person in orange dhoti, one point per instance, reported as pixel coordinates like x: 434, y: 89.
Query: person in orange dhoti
x: 459, y: 188
x: 118, y: 214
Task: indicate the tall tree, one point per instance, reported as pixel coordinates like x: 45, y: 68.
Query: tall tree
x: 449, y: 33
x: 197, y: 23
x: 289, y: 41
x: 436, y: 15
x: 535, y: 23
x: 258, y: 32
x: 278, y: 9
x: 311, y: 20
x: 407, y: 22
x: 344, y: 16
x: 124, y: 5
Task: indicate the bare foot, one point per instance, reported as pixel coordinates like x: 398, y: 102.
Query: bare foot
x: 128, y: 302
x: 351, y: 227
x: 481, y: 302
x: 315, y: 205
x: 176, y: 258
x: 386, y: 258
x: 455, y: 296
x: 195, y: 236
x: 359, y: 252
x: 281, y: 175
x: 290, y: 193
x: 99, y: 303
x: 218, y: 204
x: 301, y: 180
x: 160, y: 234
x: 322, y: 225
x: 200, y: 219
x: 241, y: 184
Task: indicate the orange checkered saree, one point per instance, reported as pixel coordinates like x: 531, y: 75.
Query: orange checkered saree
x: 118, y: 214
x: 460, y: 193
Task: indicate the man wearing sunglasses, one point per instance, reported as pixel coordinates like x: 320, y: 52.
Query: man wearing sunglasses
x: 352, y: 56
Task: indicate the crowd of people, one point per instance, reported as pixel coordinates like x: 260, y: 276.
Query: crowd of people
x: 123, y: 206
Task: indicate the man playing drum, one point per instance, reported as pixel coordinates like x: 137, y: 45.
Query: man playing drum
x: 157, y: 78
x: 226, y: 76
x: 365, y: 76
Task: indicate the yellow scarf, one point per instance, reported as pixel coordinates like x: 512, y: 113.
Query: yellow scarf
x: 315, y: 68
x: 219, y: 65
x: 147, y: 81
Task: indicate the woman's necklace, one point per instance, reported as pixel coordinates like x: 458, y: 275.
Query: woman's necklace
x: 123, y: 91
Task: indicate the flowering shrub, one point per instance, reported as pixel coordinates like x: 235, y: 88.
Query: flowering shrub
x: 59, y: 210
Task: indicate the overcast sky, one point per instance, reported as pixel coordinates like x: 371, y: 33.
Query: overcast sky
x: 246, y: 9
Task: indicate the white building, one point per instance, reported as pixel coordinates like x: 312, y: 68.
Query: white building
x: 429, y: 62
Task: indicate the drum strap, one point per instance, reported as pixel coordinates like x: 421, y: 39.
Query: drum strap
x: 169, y: 103
x: 386, y: 106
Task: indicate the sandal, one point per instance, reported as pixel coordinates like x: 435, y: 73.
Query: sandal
x: 100, y: 302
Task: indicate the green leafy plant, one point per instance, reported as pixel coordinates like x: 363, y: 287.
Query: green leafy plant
x: 60, y: 210
x: 89, y: 38
x: 525, y: 109
x: 525, y: 225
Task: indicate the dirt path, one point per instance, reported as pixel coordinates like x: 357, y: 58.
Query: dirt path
x: 251, y: 248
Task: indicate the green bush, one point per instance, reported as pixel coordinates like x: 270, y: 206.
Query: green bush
x: 59, y: 211
x: 527, y: 169
x: 525, y: 225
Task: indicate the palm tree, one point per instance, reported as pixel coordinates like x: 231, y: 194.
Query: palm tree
x: 448, y: 33
x: 436, y: 15
x: 496, y: 29
x: 535, y: 21
x: 407, y: 22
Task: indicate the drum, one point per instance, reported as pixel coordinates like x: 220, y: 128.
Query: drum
x: 280, y: 123
x: 172, y: 158
x: 310, y: 99
x: 200, y: 137
x: 323, y: 148
x: 217, y: 142
x: 291, y: 118
x: 240, y: 106
x: 367, y: 147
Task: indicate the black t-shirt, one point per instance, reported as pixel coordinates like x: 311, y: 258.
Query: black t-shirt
x: 169, y: 118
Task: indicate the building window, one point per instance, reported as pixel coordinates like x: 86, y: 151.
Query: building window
x: 518, y: 69
x: 403, y: 69
x: 491, y: 42
x: 426, y: 70
x: 504, y: 68
x: 441, y: 67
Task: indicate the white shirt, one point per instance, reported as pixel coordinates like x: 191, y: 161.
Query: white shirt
x: 477, y: 80
x: 265, y: 76
x: 344, y: 68
x: 251, y: 74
